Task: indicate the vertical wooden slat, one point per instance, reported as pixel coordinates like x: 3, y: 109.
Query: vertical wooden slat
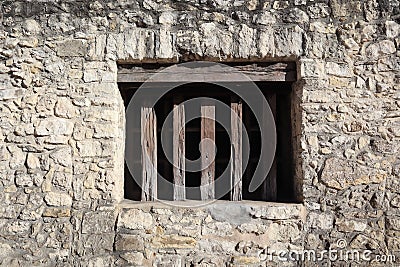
x: 236, y: 151
x: 178, y: 147
x: 207, y: 148
x: 149, y: 153
x: 270, y: 183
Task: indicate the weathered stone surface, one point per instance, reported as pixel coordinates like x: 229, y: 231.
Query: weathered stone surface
x: 32, y: 161
x: 143, y: 220
x: 243, y: 260
x: 173, y: 241
x: 89, y: 148
x: 62, y: 130
x: 278, y: 212
x: 98, y: 222
x: 23, y: 180
x: 341, y: 174
x: 129, y: 242
x: 382, y: 48
x: 64, y: 108
x: 135, y: 258
x: 58, y: 199
x: 54, y: 127
x: 350, y: 226
x: 321, y: 221
x: 71, y: 48
x: 168, y: 260
x: 62, y: 156
x: 56, y: 212
x: 217, y: 228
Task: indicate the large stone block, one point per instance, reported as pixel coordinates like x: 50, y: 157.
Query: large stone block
x: 341, y: 174
x: 98, y: 222
x: 72, y: 48
x: 58, y: 199
x: 135, y: 219
x: 173, y: 241
x: 54, y: 126
x: 129, y: 242
x: 89, y: 148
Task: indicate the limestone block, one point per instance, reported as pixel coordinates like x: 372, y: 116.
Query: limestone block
x: 173, y: 241
x: 379, y: 49
x: 29, y: 42
x: 98, y: 222
x: 58, y: 199
x: 245, y: 260
x: 321, y: 220
x: 350, y: 226
x: 56, y: 212
x: 392, y: 29
x: 393, y: 223
x: 363, y: 242
x: 285, y: 212
x: 71, y: 48
x: 32, y: 161
x: 129, y: 242
x: 4, y: 154
x: 54, y: 126
x: 217, y: 228
x: 340, y: 70
x: 168, y: 260
x: 62, y: 180
x: 11, y: 93
x: 135, y: 219
x: 24, y: 180
x: 310, y: 68
x: 297, y: 15
x: 340, y: 174
x: 289, y: 41
x: 286, y: 231
x: 62, y: 156
x: 89, y: 148
x: 64, y: 108
x: 135, y: 258
x: 31, y: 26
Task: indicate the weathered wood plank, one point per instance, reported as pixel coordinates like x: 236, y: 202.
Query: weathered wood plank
x: 149, y: 153
x: 207, y: 147
x: 236, y: 151
x: 255, y: 72
x: 178, y: 147
x: 270, y: 184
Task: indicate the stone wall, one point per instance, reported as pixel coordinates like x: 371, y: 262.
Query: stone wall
x: 62, y: 129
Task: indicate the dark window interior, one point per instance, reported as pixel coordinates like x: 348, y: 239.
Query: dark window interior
x: 283, y: 157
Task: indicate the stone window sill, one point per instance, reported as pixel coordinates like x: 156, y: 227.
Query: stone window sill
x: 228, y: 210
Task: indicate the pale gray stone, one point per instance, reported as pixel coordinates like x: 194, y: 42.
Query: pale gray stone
x: 62, y: 156
x: 341, y: 174
x: 58, y: 199
x: 321, y: 221
x: 143, y: 220
x: 32, y: 161
x: 64, y: 108
x: 72, y: 48
x: 382, y: 48
x: 54, y: 127
x: 89, y: 148
x: 98, y: 222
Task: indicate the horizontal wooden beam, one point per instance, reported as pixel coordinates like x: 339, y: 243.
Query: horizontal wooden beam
x: 218, y: 73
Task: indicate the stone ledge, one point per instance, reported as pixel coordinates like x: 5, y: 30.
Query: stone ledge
x: 222, y: 210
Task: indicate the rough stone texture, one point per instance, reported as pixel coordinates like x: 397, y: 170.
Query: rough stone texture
x: 61, y: 130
